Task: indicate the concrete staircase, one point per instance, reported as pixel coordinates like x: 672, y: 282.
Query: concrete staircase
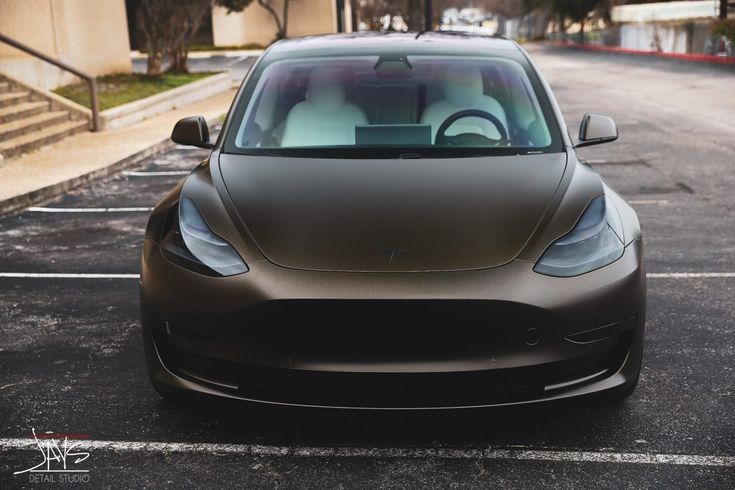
x: 30, y: 119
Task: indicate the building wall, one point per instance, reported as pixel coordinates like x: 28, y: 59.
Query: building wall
x: 90, y: 35
x: 256, y: 25
x: 689, y: 37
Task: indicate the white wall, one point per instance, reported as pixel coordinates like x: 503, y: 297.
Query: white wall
x: 91, y: 35
x: 672, y: 38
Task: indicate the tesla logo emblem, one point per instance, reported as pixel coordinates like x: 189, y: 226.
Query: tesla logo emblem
x: 392, y: 253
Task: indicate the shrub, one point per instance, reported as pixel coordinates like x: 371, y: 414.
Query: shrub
x: 725, y: 27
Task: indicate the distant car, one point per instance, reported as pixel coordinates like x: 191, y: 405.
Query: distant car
x: 394, y: 221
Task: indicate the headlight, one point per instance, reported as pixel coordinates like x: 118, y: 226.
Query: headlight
x: 191, y: 243
x: 595, y: 241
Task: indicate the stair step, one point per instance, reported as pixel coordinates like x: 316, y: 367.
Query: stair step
x: 37, y: 139
x: 10, y: 98
x: 24, y: 109
x: 26, y: 125
x: 4, y: 87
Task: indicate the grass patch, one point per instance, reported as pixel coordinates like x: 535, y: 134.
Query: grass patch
x: 115, y: 90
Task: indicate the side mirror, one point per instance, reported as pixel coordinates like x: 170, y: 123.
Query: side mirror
x: 192, y: 131
x: 596, y: 129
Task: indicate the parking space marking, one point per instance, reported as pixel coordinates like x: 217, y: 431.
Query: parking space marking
x: 520, y: 453
x: 61, y: 275
x: 649, y: 201
x: 688, y: 275
x: 140, y: 173
x: 39, y: 209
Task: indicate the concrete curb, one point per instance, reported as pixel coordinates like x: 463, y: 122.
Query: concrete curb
x: 138, y: 110
x: 693, y: 57
x: 20, y: 202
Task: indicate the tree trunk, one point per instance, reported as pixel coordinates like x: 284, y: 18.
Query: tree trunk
x: 280, y: 30
x: 581, y: 32
x: 723, y: 9
x: 284, y: 22
x: 185, y: 19
x: 179, y: 60
x: 152, y: 16
x: 153, y: 67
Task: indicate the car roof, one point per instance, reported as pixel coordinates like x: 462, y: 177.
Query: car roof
x: 429, y: 42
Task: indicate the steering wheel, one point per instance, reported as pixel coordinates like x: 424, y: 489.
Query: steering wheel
x: 470, y: 139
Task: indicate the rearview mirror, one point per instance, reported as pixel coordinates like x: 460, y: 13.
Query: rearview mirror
x: 192, y: 131
x: 596, y: 129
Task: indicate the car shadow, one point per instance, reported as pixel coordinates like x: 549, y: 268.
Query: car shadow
x: 556, y: 424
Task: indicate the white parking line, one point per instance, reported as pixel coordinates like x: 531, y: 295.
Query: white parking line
x: 39, y: 209
x: 137, y: 173
x: 61, y: 275
x: 649, y: 201
x: 518, y: 453
x: 688, y: 275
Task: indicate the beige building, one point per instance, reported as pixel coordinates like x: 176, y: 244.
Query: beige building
x: 255, y: 25
x: 90, y: 35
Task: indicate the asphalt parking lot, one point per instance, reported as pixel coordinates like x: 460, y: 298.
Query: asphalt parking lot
x: 71, y: 356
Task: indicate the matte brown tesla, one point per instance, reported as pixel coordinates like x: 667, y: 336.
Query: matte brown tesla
x: 394, y: 221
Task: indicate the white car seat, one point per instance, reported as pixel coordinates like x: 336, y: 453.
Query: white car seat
x: 325, y: 118
x: 462, y: 89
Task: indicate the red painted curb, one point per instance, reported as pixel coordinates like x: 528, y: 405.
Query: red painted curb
x: 698, y: 57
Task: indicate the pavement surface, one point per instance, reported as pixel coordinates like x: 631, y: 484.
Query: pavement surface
x: 71, y: 356
x: 85, y: 153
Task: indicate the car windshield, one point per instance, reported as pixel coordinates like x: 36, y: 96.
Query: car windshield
x: 408, y: 103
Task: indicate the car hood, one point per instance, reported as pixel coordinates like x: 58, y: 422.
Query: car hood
x: 391, y: 215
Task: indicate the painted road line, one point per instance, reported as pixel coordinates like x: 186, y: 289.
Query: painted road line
x: 518, y: 453
x: 239, y: 59
x: 136, y: 173
x: 61, y: 275
x: 649, y: 201
x: 39, y: 209
x: 688, y: 275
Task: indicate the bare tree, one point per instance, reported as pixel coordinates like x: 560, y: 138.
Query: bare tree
x: 153, y: 19
x: 169, y: 26
x: 186, y: 21
x: 282, y: 20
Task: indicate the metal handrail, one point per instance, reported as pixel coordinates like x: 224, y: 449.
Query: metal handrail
x: 89, y: 78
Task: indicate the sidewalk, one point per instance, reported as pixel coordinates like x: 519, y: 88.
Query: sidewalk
x: 39, y: 175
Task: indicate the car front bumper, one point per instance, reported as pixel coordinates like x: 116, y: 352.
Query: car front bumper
x: 393, y: 340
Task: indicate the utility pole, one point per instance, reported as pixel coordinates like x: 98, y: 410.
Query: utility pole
x: 428, y: 15
x: 340, y: 8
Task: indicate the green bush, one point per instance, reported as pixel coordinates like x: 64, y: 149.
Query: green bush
x: 724, y: 28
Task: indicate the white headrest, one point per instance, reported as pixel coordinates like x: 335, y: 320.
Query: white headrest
x: 462, y: 85
x: 326, y: 89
